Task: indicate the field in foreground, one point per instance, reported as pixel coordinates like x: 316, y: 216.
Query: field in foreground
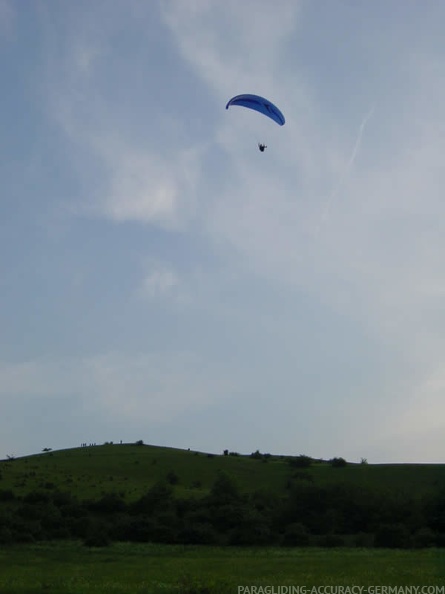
x: 70, y: 568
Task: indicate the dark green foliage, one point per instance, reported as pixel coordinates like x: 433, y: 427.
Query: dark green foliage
x: 331, y: 540
x: 134, y: 529
x: 110, y: 503
x: 424, y: 537
x: 210, y: 506
x: 435, y: 506
x: 158, y: 498
x: 37, y: 497
x: 198, y: 533
x: 301, y: 461
x: 338, y: 462
x: 172, y: 478
x: 252, y: 528
x: 295, y: 535
x: 256, y: 455
x: 97, y: 536
x: 6, y: 495
x: 224, y: 490
x: 392, y: 536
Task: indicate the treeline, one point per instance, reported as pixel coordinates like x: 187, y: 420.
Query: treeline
x: 307, y: 515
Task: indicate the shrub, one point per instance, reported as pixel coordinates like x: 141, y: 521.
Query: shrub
x: 97, y: 538
x: 7, y: 495
x: 392, y: 536
x: 301, y: 461
x: 295, y: 535
x: 331, y: 541
x: 424, y: 537
x: 198, y: 533
x: 172, y: 478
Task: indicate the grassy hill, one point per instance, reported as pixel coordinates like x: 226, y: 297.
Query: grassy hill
x: 132, y: 469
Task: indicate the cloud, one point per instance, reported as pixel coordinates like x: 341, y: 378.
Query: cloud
x: 160, y: 281
x: 131, y: 163
x: 119, y: 385
x: 232, y: 44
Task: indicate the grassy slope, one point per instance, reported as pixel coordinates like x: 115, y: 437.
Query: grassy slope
x: 69, y: 568
x: 131, y: 469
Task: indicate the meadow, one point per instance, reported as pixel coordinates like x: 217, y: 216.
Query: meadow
x: 71, y: 568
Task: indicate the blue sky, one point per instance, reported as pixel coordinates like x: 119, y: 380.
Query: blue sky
x: 161, y: 279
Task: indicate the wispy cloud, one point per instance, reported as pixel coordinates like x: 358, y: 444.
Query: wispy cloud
x: 160, y: 280
x: 158, y: 385
x: 232, y: 45
x: 127, y: 174
x: 347, y: 169
x: 141, y: 186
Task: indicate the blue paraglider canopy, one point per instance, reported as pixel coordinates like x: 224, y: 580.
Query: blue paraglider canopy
x: 258, y: 104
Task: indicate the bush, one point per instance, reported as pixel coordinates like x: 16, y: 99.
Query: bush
x: 198, y: 533
x: 7, y: 495
x: 300, y: 461
x: 363, y: 540
x: 331, y: 541
x: 97, y: 539
x: 172, y: 478
x: 256, y: 455
x: 295, y: 535
x: 110, y: 503
x: 392, y: 536
x: 36, y: 497
x: 424, y: 537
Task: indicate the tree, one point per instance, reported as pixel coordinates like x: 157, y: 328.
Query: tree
x: 300, y: 461
x: 392, y: 536
x: 295, y: 535
x: 224, y: 490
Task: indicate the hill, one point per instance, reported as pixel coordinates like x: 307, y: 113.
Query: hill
x: 131, y: 469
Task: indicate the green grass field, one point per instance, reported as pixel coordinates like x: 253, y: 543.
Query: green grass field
x: 70, y: 568
x: 89, y: 472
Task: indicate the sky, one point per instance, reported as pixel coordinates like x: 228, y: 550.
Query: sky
x: 162, y: 279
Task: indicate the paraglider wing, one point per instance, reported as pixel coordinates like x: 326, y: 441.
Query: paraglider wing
x: 258, y: 104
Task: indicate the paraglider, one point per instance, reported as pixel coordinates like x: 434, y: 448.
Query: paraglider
x: 260, y: 104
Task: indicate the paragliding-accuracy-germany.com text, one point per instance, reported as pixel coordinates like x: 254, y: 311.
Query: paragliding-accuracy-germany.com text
x: 341, y: 589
